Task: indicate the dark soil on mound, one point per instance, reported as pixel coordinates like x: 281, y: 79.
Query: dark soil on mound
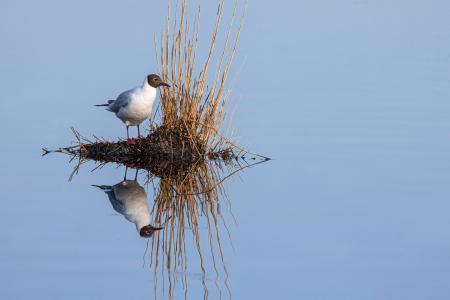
x: 165, y: 152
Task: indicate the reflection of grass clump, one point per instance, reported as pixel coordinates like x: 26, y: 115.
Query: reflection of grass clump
x: 180, y: 204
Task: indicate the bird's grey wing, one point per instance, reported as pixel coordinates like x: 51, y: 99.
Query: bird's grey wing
x: 121, y: 101
x: 116, y: 203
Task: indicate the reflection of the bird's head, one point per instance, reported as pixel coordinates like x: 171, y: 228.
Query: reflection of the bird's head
x: 183, y: 198
x: 148, y: 231
x: 129, y: 199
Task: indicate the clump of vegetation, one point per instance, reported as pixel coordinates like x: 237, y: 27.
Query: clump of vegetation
x: 190, y: 102
x: 168, y: 142
x: 168, y: 152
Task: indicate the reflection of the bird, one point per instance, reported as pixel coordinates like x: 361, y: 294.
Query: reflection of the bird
x: 188, y: 196
x: 130, y: 199
x: 186, y: 199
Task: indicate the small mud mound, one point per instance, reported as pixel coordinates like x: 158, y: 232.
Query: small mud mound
x: 165, y: 143
x: 171, y: 151
x: 166, y: 151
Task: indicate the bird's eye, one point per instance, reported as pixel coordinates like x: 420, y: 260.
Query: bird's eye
x: 154, y: 79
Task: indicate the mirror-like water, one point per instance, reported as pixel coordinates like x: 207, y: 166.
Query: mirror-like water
x: 187, y: 209
x: 350, y: 99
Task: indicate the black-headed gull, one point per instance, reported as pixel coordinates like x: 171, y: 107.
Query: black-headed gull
x: 129, y: 199
x: 135, y: 105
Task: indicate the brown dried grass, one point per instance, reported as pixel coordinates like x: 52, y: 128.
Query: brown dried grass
x: 191, y: 102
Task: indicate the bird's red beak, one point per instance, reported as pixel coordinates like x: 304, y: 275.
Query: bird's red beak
x: 165, y: 84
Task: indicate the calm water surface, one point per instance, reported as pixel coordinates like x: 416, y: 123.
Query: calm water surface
x: 350, y: 99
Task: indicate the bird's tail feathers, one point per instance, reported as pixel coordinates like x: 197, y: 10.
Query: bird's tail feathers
x: 109, y: 102
x: 103, y: 187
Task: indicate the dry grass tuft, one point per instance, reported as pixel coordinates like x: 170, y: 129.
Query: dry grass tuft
x: 190, y: 102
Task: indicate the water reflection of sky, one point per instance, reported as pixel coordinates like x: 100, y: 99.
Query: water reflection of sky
x: 350, y: 98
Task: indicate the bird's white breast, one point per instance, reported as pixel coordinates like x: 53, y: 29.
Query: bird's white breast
x: 135, y: 205
x: 139, y: 106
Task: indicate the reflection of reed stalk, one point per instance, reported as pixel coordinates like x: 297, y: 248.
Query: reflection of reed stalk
x: 189, y: 98
x: 184, y: 211
x: 180, y: 202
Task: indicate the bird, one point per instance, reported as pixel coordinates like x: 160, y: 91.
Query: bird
x: 135, y: 105
x: 129, y: 199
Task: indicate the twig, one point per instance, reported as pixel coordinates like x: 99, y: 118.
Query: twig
x: 267, y: 158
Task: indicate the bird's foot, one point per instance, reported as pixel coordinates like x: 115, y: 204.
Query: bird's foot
x: 131, y: 141
x: 129, y: 166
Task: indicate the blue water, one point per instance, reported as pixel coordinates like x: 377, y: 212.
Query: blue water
x: 350, y: 99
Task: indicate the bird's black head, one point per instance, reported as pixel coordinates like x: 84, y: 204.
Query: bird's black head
x: 147, y: 231
x: 155, y: 81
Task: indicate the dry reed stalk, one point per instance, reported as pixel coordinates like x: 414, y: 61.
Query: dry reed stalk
x: 190, y: 99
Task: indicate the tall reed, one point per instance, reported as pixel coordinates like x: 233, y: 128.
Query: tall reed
x: 191, y: 102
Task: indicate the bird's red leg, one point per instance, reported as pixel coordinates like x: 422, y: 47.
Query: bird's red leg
x: 139, y: 133
x: 131, y: 166
x: 129, y: 141
x: 125, y: 176
x: 135, y: 178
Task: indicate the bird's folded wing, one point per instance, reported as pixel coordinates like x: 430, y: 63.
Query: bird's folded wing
x: 117, y: 204
x: 121, y: 101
